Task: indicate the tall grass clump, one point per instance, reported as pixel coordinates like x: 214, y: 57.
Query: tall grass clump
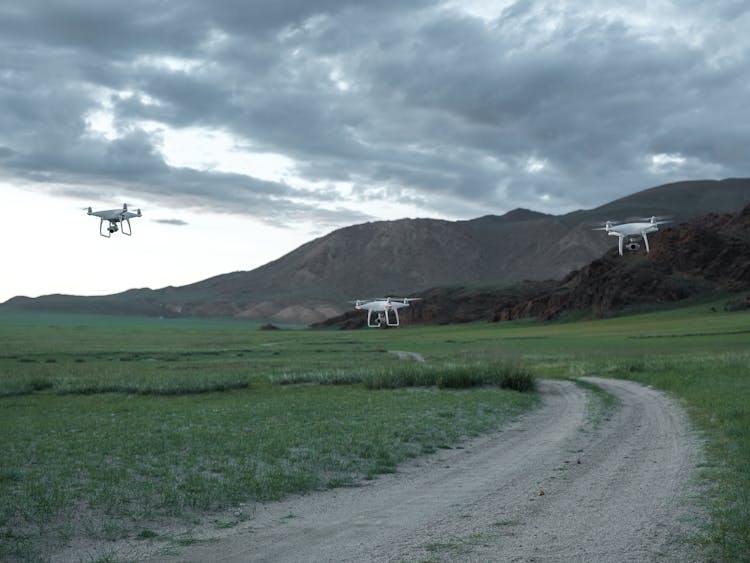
x: 320, y: 377
x: 23, y: 386
x: 451, y: 375
x: 166, y: 387
x: 505, y: 375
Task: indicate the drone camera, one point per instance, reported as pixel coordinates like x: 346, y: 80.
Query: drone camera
x: 112, y: 228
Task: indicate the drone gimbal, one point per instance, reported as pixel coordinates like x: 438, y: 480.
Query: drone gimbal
x: 113, y: 228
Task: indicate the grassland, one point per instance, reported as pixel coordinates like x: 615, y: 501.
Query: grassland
x: 129, y: 422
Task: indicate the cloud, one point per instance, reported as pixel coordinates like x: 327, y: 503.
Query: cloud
x: 175, y: 222
x: 457, y: 108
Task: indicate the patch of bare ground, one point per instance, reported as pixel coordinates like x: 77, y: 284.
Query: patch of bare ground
x: 403, y: 355
x: 556, y: 485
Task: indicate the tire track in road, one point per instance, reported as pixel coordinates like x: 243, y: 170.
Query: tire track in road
x: 633, y: 497
x: 551, y: 486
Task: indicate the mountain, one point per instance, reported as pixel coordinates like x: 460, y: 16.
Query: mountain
x: 315, y: 281
x: 705, y: 254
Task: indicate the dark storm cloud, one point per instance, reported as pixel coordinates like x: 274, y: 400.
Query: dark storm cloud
x: 546, y: 106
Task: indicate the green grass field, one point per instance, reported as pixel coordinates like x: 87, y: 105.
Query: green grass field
x: 130, y: 422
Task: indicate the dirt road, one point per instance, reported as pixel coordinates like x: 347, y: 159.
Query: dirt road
x: 554, y: 486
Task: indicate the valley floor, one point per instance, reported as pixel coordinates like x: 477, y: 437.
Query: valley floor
x: 567, y: 481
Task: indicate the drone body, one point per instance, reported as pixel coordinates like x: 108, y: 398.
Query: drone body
x: 630, y: 232
x: 386, y: 309
x: 115, y: 216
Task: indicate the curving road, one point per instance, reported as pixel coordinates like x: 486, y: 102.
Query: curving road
x: 556, y: 485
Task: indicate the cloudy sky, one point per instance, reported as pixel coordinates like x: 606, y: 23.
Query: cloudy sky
x: 245, y: 128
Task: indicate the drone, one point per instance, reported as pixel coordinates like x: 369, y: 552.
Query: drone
x: 383, y: 306
x: 115, y: 216
x: 628, y: 232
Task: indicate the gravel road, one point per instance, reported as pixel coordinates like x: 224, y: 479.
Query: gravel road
x: 556, y: 485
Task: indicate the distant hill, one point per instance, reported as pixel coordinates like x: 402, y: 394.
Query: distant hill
x: 705, y: 254
x: 315, y: 281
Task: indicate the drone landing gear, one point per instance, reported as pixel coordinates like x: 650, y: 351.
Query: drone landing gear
x: 109, y: 230
x: 383, y: 319
x: 378, y: 321
x: 113, y: 228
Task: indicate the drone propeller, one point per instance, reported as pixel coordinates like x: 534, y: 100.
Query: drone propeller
x: 607, y: 225
x: 655, y: 219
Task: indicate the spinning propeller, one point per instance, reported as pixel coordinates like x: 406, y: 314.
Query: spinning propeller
x: 607, y: 225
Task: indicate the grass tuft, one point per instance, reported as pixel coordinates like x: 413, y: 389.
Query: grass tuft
x: 450, y: 375
x: 505, y: 375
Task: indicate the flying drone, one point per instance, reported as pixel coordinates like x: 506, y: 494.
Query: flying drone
x: 383, y: 306
x: 115, y: 216
x: 628, y: 233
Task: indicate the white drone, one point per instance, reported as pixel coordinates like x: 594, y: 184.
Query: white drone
x: 115, y: 216
x: 383, y: 306
x: 631, y: 231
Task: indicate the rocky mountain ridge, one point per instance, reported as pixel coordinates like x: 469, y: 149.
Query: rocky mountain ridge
x: 705, y: 254
x: 316, y: 281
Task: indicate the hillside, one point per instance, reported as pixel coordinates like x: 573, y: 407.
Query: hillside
x: 705, y: 254
x: 315, y: 281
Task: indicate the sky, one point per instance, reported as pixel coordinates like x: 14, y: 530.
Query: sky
x: 244, y: 129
